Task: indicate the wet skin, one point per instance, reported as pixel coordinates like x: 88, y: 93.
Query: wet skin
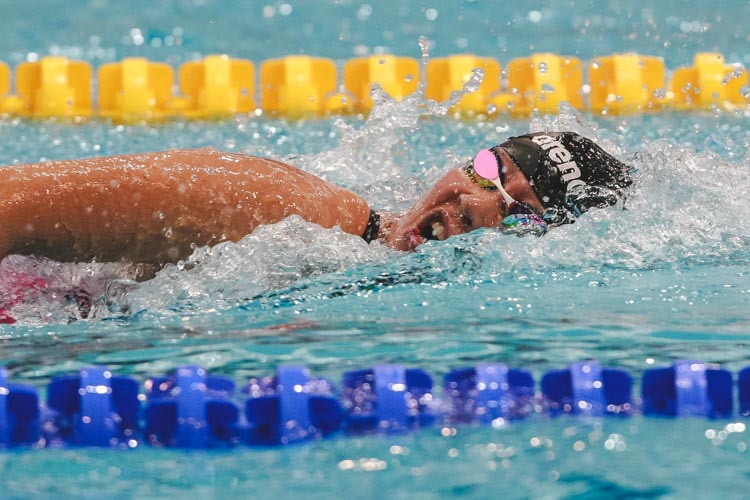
x: 155, y: 208
x: 459, y: 205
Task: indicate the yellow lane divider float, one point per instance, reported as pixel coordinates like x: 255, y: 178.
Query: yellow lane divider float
x: 136, y: 89
x: 216, y: 86
x: 544, y: 81
x: 397, y: 76
x: 300, y: 85
x: 449, y: 74
x: 8, y: 103
x: 709, y: 83
x: 627, y: 83
x: 54, y: 87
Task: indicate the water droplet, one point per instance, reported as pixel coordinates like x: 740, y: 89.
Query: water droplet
x: 424, y: 45
x: 534, y: 16
x: 364, y: 12
x: 542, y: 67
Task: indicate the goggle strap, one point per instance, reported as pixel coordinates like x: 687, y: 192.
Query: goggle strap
x: 491, y: 174
x: 508, y: 198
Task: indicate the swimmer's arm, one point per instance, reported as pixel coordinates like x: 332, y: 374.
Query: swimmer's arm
x: 157, y: 207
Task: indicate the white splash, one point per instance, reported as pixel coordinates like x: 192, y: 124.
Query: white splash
x: 273, y: 256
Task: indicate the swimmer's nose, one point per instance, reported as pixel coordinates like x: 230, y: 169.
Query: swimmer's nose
x: 481, y: 210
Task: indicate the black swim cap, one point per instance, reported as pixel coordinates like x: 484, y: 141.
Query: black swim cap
x: 568, y: 171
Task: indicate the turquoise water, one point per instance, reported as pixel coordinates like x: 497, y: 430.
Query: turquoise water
x: 665, y: 279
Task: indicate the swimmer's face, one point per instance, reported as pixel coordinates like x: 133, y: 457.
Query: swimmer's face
x: 457, y: 205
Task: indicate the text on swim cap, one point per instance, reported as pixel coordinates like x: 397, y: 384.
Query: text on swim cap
x: 563, y: 160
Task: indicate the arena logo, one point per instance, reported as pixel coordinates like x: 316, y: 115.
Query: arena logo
x: 563, y: 160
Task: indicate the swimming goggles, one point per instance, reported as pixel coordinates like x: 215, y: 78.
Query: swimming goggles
x: 521, y: 219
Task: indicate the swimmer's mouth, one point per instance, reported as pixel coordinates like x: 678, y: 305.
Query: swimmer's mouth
x: 433, y: 228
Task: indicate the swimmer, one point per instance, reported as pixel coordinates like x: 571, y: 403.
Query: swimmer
x: 153, y: 209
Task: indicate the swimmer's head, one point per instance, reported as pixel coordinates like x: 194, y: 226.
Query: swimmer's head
x: 555, y: 176
x: 459, y: 203
x: 569, y: 173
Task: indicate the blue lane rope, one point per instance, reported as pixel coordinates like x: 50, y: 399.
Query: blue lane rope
x: 4, y: 393
x: 587, y: 389
x: 489, y: 393
x: 189, y: 408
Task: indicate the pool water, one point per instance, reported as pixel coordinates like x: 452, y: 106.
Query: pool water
x: 666, y: 278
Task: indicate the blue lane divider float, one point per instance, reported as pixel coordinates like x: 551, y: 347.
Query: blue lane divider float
x: 490, y: 393
x: 19, y: 413
x: 689, y: 389
x: 290, y: 407
x: 387, y: 398
x: 587, y: 389
x: 191, y: 409
x: 743, y: 396
x: 93, y: 408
